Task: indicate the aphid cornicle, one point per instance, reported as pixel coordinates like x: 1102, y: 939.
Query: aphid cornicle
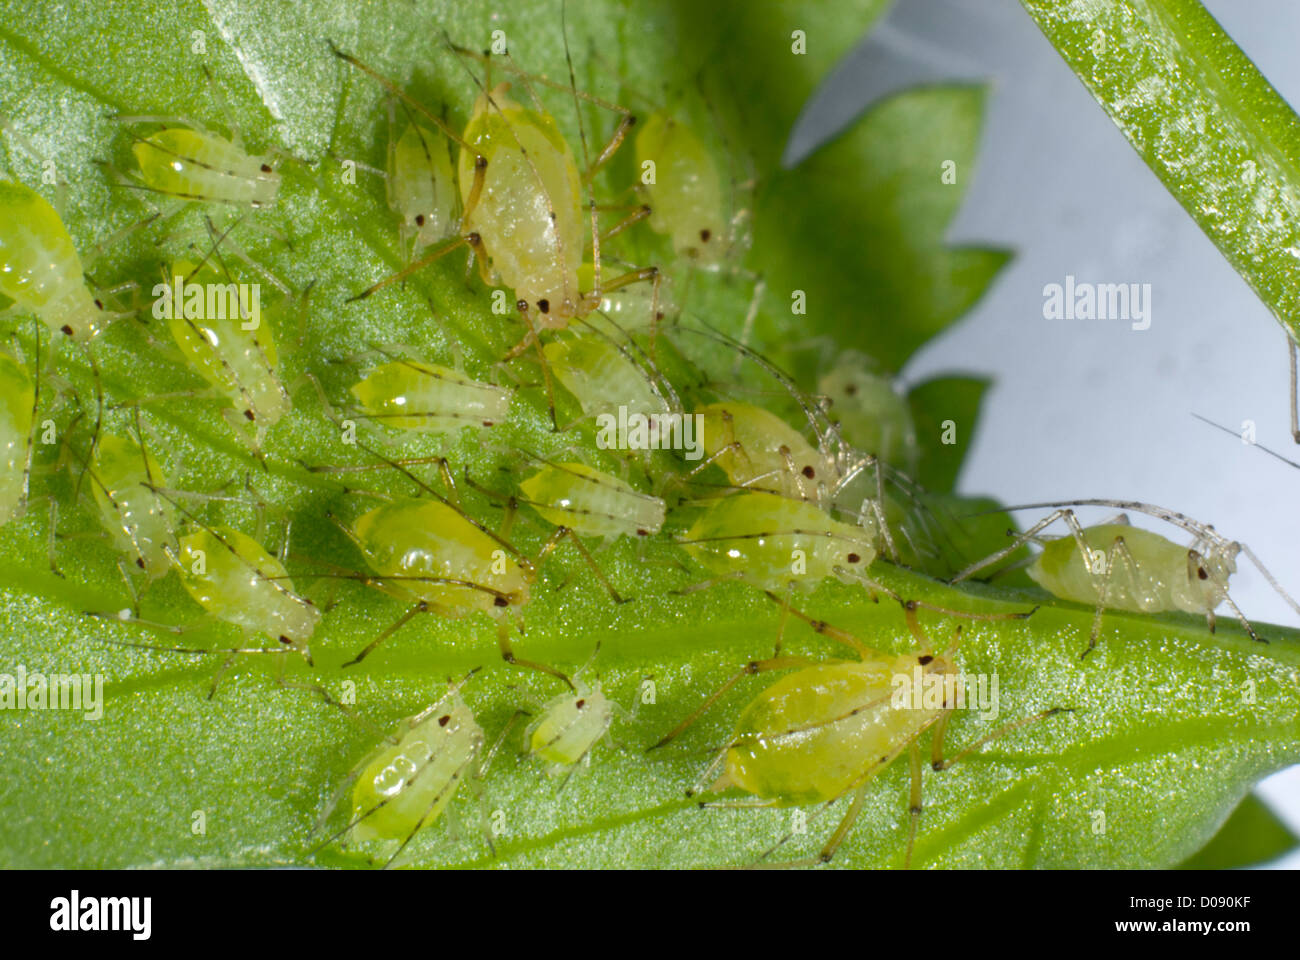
x: 411, y: 394
x: 1114, y: 565
x: 18, y: 399
x: 194, y: 164
x: 142, y: 523
x: 831, y: 727
x: 39, y: 266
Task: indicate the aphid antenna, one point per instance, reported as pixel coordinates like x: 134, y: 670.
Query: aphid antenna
x: 1259, y: 446
x: 396, y: 90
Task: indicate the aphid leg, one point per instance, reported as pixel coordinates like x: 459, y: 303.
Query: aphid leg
x: 403, y: 620
x: 818, y: 626
x: 1118, y: 549
x: 914, y: 801
x: 639, y: 213
x: 939, y: 762
x: 472, y: 240
x: 1019, y: 542
x: 508, y: 655
x: 750, y: 669
x: 1196, y: 568
x: 532, y: 340
x: 554, y: 540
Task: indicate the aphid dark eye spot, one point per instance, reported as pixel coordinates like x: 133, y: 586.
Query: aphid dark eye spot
x: 1200, y: 572
x: 705, y: 235
x: 66, y: 329
x: 924, y: 659
x: 500, y: 602
x: 488, y: 423
x: 419, y: 219
x: 100, y: 304
x: 248, y: 415
x: 266, y: 168
x: 284, y: 639
x: 642, y: 533
x: 854, y: 558
x: 521, y: 306
x: 580, y: 704
x: 480, y: 163
x: 444, y: 719
x: 809, y: 472
x: 851, y: 389
x: 544, y: 306
x: 139, y: 562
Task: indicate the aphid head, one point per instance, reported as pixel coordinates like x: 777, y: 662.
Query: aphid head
x: 1210, y: 570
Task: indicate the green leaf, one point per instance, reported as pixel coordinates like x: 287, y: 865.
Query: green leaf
x: 943, y: 449
x: 1251, y: 835
x: 1204, y: 119
x: 867, y: 245
x: 1159, y: 739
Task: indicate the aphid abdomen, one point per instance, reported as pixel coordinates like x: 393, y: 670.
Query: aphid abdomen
x: 816, y: 732
x: 1154, y: 580
x: 232, y: 577
x: 141, y: 522
x: 39, y: 266
x: 686, y: 200
x: 421, y: 185
x: 209, y: 329
x: 17, y: 399
x: 569, y: 727
x: 203, y: 166
x: 770, y: 541
x: 465, y: 568
x: 755, y: 446
x: 528, y: 213
x: 407, y: 785
x: 411, y: 395
x: 601, y: 377
x: 592, y: 503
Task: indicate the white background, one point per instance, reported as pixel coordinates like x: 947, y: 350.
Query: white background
x: 1094, y: 408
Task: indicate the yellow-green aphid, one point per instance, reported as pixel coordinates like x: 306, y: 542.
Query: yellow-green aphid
x: 870, y: 413
x: 429, y: 552
x: 407, y: 782
x: 421, y: 186
x: 233, y: 353
x: 592, y: 503
x: 528, y: 214
x: 685, y: 195
x: 757, y: 449
x: 1117, y: 566
x: 205, y: 167
x: 39, y: 266
x: 772, y: 541
x: 232, y: 577
x: 605, y: 376
x: 18, y: 396
x: 831, y: 727
x: 569, y: 726
x: 124, y: 478
x: 416, y: 395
